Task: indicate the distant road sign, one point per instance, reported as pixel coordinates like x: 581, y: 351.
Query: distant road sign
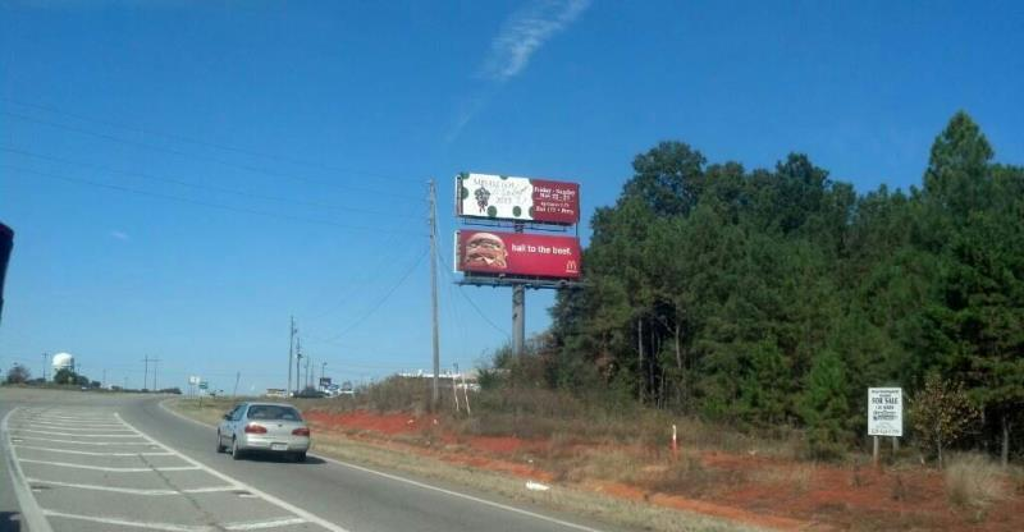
x: 885, y: 412
x: 193, y: 380
x: 203, y: 385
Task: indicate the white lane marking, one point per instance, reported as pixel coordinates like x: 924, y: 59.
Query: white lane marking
x: 91, y: 453
x: 97, y: 487
x: 71, y: 426
x: 105, y: 428
x: 68, y: 420
x: 258, y: 525
x: 76, y: 442
x: 397, y: 478
x: 132, y: 491
x: 212, y: 489
x: 110, y: 469
x: 30, y: 510
x: 171, y: 527
x: 54, y: 433
x: 308, y: 516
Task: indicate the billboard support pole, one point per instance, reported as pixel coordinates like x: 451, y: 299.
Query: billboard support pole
x: 518, y: 319
x: 435, y: 394
x: 519, y: 313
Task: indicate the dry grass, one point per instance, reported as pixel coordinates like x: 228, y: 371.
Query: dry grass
x: 973, y: 481
x: 797, y: 478
x: 211, y: 411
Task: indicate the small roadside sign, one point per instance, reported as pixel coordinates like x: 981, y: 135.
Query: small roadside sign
x: 203, y: 385
x: 885, y: 412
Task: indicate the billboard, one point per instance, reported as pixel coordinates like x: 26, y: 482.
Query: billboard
x: 517, y: 199
x: 517, y: 254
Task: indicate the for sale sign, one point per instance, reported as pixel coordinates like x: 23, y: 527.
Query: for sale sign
x: 885, y: 411
x: 517, y: 254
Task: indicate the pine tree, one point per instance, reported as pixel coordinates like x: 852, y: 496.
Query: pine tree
x: 824, y: 406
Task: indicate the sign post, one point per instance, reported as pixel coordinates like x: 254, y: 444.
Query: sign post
x: 885, y: 416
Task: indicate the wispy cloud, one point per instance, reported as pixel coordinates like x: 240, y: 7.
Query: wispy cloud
x: 522, y: 34
x: 120, y: 235
x: 467, y: 110
x: 525, y: 32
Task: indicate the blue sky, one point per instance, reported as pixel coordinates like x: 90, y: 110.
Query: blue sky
x: 183, y: 176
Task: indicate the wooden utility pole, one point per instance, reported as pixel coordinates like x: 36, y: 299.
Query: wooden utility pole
x: 298, y: 363
x: 291, y: 344
x: 435, y: 394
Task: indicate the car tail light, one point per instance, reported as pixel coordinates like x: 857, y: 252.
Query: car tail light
x: 301, y: 432
x: 253, y: 428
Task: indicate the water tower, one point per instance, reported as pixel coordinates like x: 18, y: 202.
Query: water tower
x: 63, y: 361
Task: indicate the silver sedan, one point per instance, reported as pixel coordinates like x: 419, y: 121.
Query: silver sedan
x: 264, y: 427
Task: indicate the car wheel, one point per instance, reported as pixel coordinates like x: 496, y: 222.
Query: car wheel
x: 300, y: 457
x: 220, y: 443
x: 236, y: 453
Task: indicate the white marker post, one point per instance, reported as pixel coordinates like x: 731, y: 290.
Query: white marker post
x: 885, y: 415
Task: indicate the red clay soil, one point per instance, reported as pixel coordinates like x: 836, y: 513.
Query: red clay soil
x: 757, y: 490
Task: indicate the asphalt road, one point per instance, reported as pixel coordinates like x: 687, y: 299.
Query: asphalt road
x: 88, y: 462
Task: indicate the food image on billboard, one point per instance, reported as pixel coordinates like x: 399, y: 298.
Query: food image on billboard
x: 517, y: 198
x: 517, y: 254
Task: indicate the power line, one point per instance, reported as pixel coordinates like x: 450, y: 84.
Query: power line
x: 359, y: 283
x: 382, y: 300
x: 471, y: 302
x: 202, y: 186
x: 215, y: 160
x: 205, y: 143
x: 206, y: 203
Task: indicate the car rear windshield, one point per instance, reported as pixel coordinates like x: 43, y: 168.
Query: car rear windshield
x: 274, y: 412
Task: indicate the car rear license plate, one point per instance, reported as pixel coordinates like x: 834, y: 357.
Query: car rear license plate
x: 278, y: 446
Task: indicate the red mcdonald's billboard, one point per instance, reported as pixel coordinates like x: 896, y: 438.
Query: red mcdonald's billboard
x: 517, y: 254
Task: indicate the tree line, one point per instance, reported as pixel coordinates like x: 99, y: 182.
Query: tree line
x: 775, y: 297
